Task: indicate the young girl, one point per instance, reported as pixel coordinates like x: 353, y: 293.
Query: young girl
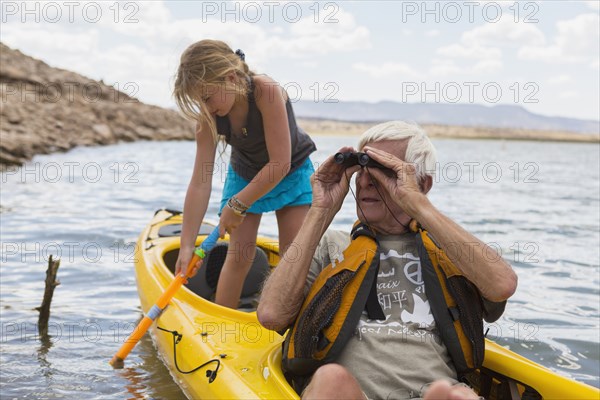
x: 269, y: 168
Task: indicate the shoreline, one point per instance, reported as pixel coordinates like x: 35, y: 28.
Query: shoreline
x: 354, y: 129
x: 324, y: 127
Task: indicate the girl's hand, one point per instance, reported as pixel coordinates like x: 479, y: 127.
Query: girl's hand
x: 185, y: 256
x: 330, y: 183
x: 229, y: 221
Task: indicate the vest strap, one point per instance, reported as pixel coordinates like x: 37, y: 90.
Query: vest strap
x: 373, y: 307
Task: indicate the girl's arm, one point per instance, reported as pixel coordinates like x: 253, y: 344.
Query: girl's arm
x: 270, y: 101
x: 198, y: 195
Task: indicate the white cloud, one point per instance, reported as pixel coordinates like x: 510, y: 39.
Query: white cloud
x: 145, y: 19
x: 50, y: 39
x: 58, y: 48
x: 444, y: 67
x: 471, y: 52
x: 503, y: 4
x: 571, y: 94
x: 577, y: 39
x: 387, y: 69
x: 560, y: 79
x: 309, y: 64
x: 505, y: 32
x: 141, y: 42
x: 485, y: 43
x: 487, y: 67
x: 594, y: 5
x: 147, y: 51
x: 308, y: 37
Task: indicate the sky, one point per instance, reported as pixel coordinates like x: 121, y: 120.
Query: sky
x: 543, y: 56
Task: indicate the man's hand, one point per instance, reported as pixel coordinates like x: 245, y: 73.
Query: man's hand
x: 330, y: 183
x: 402, y: 186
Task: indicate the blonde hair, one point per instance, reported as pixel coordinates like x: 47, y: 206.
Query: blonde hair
x: 419, y: 150
x: 203, y: 63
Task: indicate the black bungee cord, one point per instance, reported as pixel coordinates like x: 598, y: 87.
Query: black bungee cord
x: 210, y: 374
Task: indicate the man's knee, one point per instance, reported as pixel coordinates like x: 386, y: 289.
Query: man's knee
x: 333, y: 373
x: 332, y: 381
x: 443, y: 390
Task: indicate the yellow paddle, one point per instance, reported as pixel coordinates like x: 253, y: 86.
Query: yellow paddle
x: 199, y: 253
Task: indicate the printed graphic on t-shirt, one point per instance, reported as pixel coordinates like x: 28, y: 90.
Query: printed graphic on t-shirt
x: 401, y: 294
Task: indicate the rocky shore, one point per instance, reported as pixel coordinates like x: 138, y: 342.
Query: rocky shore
x: 45, y: 109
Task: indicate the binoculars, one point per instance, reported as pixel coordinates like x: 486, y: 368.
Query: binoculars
x: 349, y: 159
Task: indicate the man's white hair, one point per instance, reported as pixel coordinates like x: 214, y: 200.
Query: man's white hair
x: 419, y: 151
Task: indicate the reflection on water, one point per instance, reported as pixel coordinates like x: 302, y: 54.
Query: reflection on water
x: 88, y: 206
x: 150, y: 378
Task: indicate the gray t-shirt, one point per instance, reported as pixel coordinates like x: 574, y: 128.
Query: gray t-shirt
x: 395, y: 358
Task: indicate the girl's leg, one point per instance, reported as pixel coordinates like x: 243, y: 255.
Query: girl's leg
x: 289, y: 221
x: 240, y: 255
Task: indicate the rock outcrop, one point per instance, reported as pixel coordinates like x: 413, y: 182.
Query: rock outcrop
x: 45, y: 109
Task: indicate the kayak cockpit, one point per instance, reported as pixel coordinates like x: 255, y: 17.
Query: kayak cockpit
x: 204, y: 283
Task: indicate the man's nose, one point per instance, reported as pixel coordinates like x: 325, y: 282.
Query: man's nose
x: 364, y: 179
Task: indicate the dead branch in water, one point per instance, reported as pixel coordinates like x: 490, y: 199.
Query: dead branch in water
x: 44, y: 309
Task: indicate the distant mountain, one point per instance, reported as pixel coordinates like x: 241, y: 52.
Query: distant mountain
x: 498, y: 116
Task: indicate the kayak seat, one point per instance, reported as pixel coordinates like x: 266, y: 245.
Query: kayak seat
x: 175, y: 230
x: 204, y: 283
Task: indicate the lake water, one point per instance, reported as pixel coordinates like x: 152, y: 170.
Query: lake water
x: 536, y: 203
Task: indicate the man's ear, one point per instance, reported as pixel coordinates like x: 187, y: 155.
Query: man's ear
x: 426, y: 183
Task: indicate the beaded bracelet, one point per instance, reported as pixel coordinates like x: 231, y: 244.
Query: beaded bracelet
x: 236, y: 210
x: 238, y: 203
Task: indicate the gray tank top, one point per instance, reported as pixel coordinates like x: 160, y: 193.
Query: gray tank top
x: 249, y: 149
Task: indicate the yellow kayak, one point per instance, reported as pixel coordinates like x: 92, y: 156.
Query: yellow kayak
x: 234, y: 357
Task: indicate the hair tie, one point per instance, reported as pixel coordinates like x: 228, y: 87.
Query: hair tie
x: 240, y: 54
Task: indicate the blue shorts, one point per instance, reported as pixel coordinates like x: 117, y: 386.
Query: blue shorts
x: 293, y: 190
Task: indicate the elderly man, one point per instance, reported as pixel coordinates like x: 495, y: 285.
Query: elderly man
x: 398, y: 350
